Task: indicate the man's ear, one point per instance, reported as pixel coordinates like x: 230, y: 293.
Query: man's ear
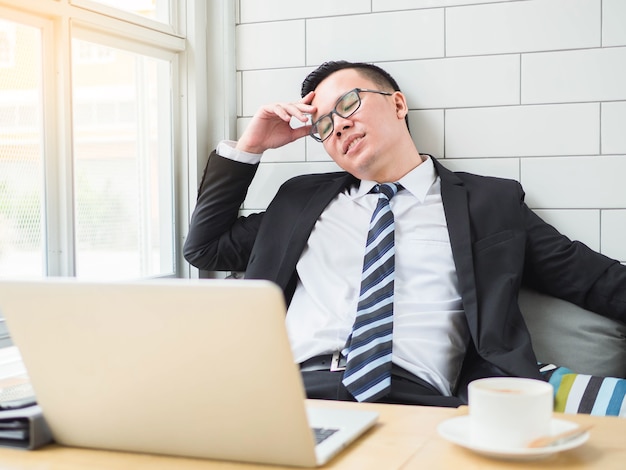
x: 402, y: 107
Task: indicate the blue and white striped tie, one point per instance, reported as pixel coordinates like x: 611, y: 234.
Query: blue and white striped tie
x: 368, y: 369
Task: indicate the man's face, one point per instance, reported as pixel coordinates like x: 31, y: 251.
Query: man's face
x: 361, y: 144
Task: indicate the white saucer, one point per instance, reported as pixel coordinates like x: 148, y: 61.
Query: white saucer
x: 456, y: 430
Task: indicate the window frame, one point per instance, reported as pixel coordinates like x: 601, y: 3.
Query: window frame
x: 201, y: 37
x: 175, y: 26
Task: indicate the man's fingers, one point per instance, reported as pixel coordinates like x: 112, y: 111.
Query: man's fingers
x: 300, y: 132
x: 286, y: 111
x: 280, y: 111
x: 308, y: 98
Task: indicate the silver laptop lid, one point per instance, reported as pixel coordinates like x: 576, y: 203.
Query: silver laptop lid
x: 195, y: 368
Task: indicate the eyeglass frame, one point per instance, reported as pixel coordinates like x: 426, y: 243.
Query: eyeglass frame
x: 334, y: 111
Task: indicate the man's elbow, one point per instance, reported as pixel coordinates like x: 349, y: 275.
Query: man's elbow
x: 196, y: 256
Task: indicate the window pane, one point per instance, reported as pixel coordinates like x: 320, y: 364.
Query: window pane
x: 158, y: 10
x: 122, y: 164
x: 22, y: 246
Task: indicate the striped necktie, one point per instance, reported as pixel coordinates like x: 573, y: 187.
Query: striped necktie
x: 368, y: 369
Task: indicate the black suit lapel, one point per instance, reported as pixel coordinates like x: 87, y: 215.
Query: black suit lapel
x: 318, y: 201
x: 455, y: 204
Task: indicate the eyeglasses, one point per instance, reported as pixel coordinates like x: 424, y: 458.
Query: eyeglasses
x: 346, y: 106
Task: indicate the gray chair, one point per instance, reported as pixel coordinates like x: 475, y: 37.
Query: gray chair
x: 567, y: 335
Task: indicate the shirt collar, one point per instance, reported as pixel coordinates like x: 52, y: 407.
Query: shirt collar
x: 418, y: 181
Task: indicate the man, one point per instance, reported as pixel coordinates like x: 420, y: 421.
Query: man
x: 464, y: 244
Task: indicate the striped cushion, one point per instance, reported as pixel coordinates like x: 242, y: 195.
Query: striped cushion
x: 588, y: 394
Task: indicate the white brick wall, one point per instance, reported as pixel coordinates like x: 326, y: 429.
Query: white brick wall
x: 533, y: 90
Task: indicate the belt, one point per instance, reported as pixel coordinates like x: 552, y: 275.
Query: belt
x: 337, y: 362
x: 334, y: 362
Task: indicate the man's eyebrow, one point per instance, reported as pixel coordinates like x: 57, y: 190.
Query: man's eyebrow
x: 336, y: 102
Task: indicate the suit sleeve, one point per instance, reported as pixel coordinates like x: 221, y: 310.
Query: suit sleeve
x: 218, y: 239
x: 572, y: 271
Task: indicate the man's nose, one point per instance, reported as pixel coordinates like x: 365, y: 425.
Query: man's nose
x: 340, y: 124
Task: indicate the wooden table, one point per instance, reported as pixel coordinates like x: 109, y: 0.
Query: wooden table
x: 404, y: 438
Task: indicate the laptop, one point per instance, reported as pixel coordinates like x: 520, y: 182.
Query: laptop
x: 194, y: 368
x: 15, y: 388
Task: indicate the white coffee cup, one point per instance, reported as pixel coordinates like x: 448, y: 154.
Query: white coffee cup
x: 509, y: 412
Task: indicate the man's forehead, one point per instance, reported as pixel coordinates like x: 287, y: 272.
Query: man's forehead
x: 336, y: 85
x: 324, y: 98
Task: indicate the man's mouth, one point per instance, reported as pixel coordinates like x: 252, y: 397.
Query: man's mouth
x: 351, y: 144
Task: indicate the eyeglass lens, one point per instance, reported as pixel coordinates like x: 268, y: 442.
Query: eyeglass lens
x: 346, y: 107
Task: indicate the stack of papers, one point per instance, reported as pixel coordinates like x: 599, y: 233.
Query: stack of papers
x: 21, y: 420
x: 24, y: 428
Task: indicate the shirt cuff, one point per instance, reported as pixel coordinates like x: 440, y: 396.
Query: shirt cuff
x: 226, y: 149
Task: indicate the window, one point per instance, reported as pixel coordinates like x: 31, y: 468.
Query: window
x: 7, y: 44
x: 92, y: 129
x: 158, y: 10
x: 123, y: 163
x: 22, y: 241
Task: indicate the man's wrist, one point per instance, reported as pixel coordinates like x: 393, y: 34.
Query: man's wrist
x: 254, y: 150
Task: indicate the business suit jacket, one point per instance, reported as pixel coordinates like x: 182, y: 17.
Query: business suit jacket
x: 497, y: 242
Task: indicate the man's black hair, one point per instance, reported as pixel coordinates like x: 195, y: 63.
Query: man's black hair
x: 372, y: 72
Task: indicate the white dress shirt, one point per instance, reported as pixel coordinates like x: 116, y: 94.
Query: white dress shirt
x: 430, y: 331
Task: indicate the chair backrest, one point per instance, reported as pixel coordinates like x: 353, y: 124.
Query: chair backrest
x: 567, y: 335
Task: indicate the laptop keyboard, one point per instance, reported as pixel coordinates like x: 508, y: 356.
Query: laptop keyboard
x: 321, y: 434
x: 16, y: 396
x: 16, y: 392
